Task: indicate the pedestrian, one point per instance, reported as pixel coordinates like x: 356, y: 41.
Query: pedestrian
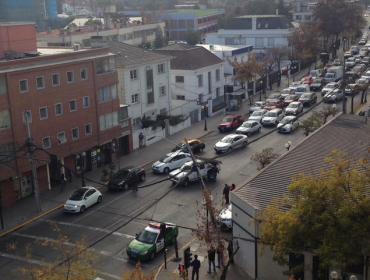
x: 232, y: 187
x: 230, y: 249
x: 196, y: 265
x: 135, y: 179
x: 211, y: 259
x: 226, y: 193
x: 70, y: 173
x: 220, y: 254
x: 63, y: 181
x: 141, y: 140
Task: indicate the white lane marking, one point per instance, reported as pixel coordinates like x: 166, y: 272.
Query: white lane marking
x: 107, y: 274
x: 101, y: 252
x: 140, y: 208
x: 87, y: 227
x: 5, y: 255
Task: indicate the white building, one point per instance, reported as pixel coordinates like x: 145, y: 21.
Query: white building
x: 303, y: 10
x: 196, y: 76
x: 259, y: 31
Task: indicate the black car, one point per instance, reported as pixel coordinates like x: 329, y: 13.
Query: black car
x: 124, y: 178
x: 317, y: 84
x: 308, y: 98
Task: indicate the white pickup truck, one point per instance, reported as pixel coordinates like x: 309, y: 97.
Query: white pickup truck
x: 209, y: 170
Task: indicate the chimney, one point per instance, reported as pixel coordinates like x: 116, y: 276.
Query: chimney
x: 98, y: 42
x: 254, y: 23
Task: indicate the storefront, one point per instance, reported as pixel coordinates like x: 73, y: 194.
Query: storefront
x: 85, y: 160
x: 23, y: 185
x: 104, y: 154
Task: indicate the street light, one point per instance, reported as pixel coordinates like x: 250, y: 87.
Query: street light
x: 334, y: 274
x: 287, y: 145
x: 353, y: 277
x: 81, y: 160
x: 205, y: 108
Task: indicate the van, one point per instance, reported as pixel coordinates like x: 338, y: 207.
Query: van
x: 302, y: 89
x: 334, y: 74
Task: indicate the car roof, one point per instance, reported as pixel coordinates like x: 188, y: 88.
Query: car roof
x: 84, y: 189
x: 275, y: 110
x: 295, y: 102
x: 290, y: 117
x: 230, y: 116
x: 273, y: 100
x: 191, y: 140
x: 250, y: 121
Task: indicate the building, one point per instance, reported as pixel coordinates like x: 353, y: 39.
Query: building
x: 303, y: 11
x: 259, y: 31
x: 196, y: 76
x: 132, y: 34
x: 69, y: 96
x: 347, y: 133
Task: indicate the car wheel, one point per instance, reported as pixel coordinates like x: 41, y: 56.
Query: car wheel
x: 82, y: 209
x: 201, y: 150
x: 142, y: 178
x: 186, y: 182
x: 245, y: 144
x: 152, y: 255
x: 229, y: 150
x: 100, y: 199
x: 166, y: 170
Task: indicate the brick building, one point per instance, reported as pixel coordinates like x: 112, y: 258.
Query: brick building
x: 71, y: 98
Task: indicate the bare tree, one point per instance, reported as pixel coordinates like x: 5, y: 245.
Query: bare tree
x: 277, y: 54
x: 311, y: 124
x: 327, y: 111
x: 264, y: 158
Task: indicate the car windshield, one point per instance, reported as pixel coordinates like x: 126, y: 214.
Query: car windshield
x: 247, y: 125
x: 165, y: 159
x: 185, y: 168
x: 293, y: 105
x: 329, y: 75
x: 227, y: 139
x: 256, y: 105
x: 286, y: 120
x: 330, y: 86
x: 271, y: 103
x: 291, y: 97
x: 121, y: 174
x: 300, y: 89
x: 285, y: 91
x: 271, y: 114
x: 305, y: 79
x: 147, y: 237
x: 306, y: 96
x: 317, y: 81
x: 273, y: 96
x: 227, y: 120
x: 257, y: 113
x: 77, y: 195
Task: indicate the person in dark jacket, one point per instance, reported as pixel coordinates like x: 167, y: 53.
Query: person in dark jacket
x: 135, y: 180
x: 226, y: 193
x: 230, y: 249
x: 196, y: 266
x: 211, y: 259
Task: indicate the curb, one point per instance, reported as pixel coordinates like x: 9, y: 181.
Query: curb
x: 205, y: 134
x: 147, y: 163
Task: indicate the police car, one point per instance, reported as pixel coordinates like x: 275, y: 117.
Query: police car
x: 151, y: 240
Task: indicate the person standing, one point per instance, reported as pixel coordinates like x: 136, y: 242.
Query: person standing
x: 63, y: 181
x: 230, y: 249
x: 141, y: 140
x: 211, y: 259
x: 196, y: 266
x: 220, y: 254
x: 135, y: 180
x: 70, y: 173
x: 226, y: 193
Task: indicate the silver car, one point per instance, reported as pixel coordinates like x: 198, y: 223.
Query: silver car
x: 257, y: 115
x: 288, y: 124
x: 294, y: 108
x: 256, y: 106
x: 328, y: 88
x: 273, y: 117
x: 230, y: 142
x: 249, y: 127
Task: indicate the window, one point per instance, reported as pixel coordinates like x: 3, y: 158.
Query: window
x: 133, y: 74
x: 200, y: 80
x: 136, y: 123
x: 83, y: 73
x: 23, y: 85
x: 149, y: 86
x: 163, y: 112
x: 180, y: 97
x: 58, y: 109
x: 43, y: 113
x: 5, y: 151
x: 4, y: 119
x: 209, y: 83
x: 135, y: 98
x: 40, y: 82
x: 123, y: 113
x: 27, y: 116
x: 105, y: 65
x: 56, y: 80
x: 72, y: 105
x: 271, y: 42
x: 150, y: 96
x: 229, y: 41
x: 108, y: 120
x: 161, y: 68
x: 75, y: 133
x: 46, y: 143
x: 259, y: 42
x: 162, y: 90
x: 3, y: 85
x: 86, y: 102
x: 107, y: 93
x: 70, y: 77
x: 61, y: 138
x: 217, y: 74
x: 180, y: 79
x: 218, y: 92
x: 88, y: 129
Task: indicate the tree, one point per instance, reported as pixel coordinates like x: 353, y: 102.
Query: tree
x: 193, y: 36
x: 284, y: 8
x: 277, y: 54
x: 264, y: 158
x: 325, y: 212
x: 311, y: 124
x: 327, y: 111
x: 268, y: 64
x: 159, y: 41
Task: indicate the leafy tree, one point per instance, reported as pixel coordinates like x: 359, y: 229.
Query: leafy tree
x: 159, y: 41
x: 311, y: 124
x: 260, y: 7
x: 284, y: 8
x: 264, y: 158
x: 193, y: 36
x: 325, y: 213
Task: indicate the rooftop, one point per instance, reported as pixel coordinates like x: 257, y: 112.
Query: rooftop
x: 224, y: 47
x: 344, y: 133
x: 263, y: 22
x: 10, y: 23
x: 198, y: 13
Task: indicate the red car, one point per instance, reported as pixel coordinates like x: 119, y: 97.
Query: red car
x: 307, y: 80
x: 230, y: 122
x: 273, y: 104
x: 291, y: 98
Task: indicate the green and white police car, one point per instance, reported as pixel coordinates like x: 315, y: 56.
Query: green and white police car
x: 151, y: 240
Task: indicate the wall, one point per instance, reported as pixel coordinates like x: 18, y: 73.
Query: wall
x: 17, y: 37
x: 179, y: 127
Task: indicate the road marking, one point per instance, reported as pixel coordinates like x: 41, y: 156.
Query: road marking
x: 88, y: 227
x: 107, y: 274
x: 5, y: 255
x: 101, y: 252
x: 140, y: 208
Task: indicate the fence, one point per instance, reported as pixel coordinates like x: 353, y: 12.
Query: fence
x: 218, y: 104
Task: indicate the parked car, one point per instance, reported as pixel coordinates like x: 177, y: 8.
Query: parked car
x: 256, y: 106
x: 317, y: 84
x: 124, y: 178
x: 294, y: 85
x: 276, y: 95
x: 294, y: 108
x: 308, y: 98
x: 291, y: 98
x: 273, y: 104
x: 170, y: 161
x: 224, y: 219
x: 258, y: 115
x: 273, y: 117
x: 230, y: 122
x: 196, y: 146
x: 285, y: 92
x: 249, y: 127
x: 333, y: 96
x: 302, y: 89
x: 317, y: 73
x: 288, y: 124
x: 230, y: 142
x: 352, y: 89
x: 328, y: 88
x: 307, y: 80
x: 81, y: 199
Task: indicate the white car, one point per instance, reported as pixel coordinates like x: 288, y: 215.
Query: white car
x: 350, y: 62
x: 273, y: 117
x: 294, y: 108
x: 230, y: 142
x: 328, y: 88
x: 366, y: 75
x: 288, y: 124
x: 294, y: 85
x: 170, y: 162
x: 225, y: 217
x: 249, y: 127
x: 82, y: 199
x: 257, y: 115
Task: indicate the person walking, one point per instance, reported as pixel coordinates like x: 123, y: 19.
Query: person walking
x: 141, y: 140
x: 196, y: 266
x: 70, y: 173
x: 220, y: 254
x: 63, y: 181
x: 230, y: 249
x: 211, y: 259
x: 135, y: 180
x: 226, y: 193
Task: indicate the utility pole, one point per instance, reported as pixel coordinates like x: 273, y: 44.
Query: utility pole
x: 31, y: 150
